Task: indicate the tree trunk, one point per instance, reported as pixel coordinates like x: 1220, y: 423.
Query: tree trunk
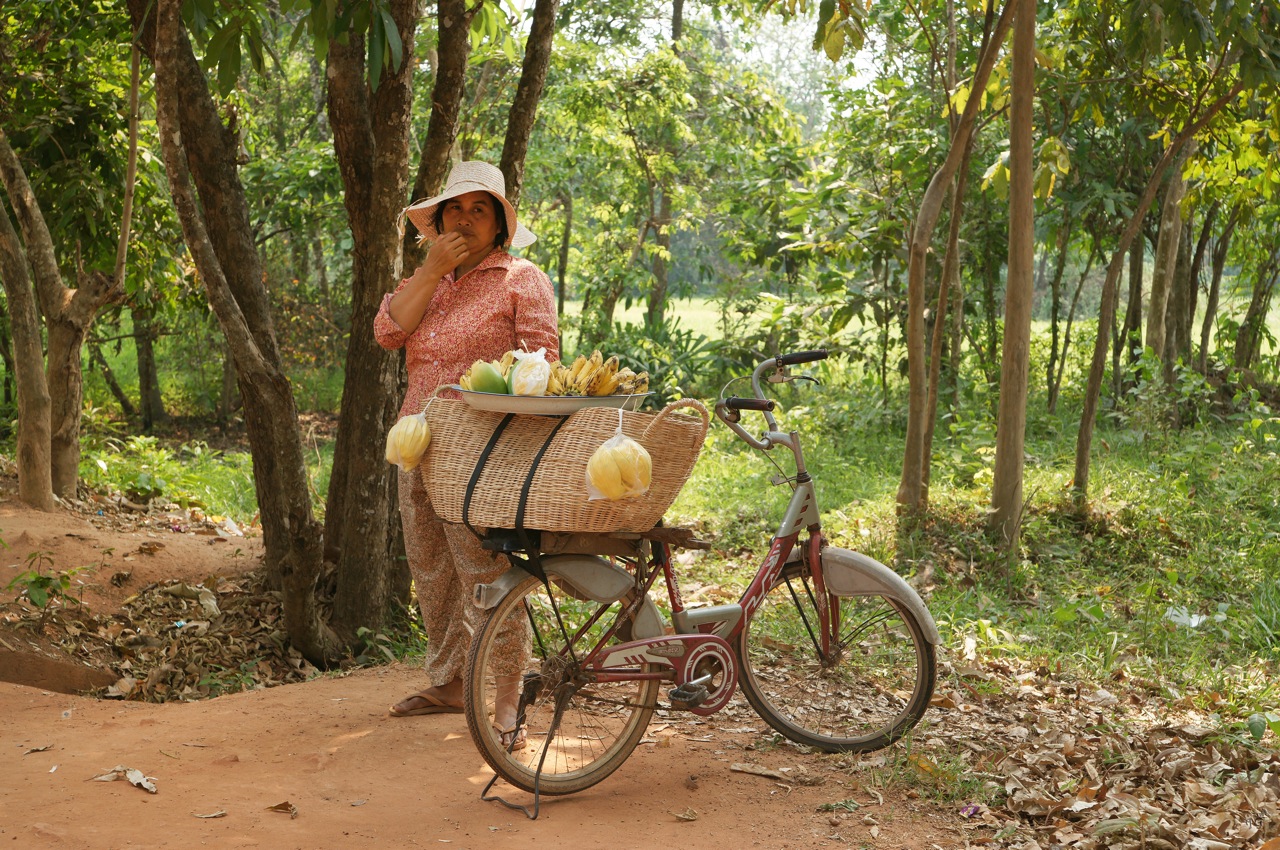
x: 144, y: 336
x: 453, y: 19
x: 911, y: 488
x: 1177, y: 339
x: 656, y: 304
x: 657, y: 301
x: 109, y: 377
x: 950, y: 279
x: 1219, y: 261
x: 1057, y: 348
x: 1247, y: 340
x: 1055, y: 382
x: 68, y: 313
x: 1107, y: 311
x: 562, y: 272
x: 228, y: 265
x: 524, y: 108
x: 371, y: 132
x: 1197, y: 272
x: 1166, y: 261
x: 1006, y: 486
x: 35, y: 472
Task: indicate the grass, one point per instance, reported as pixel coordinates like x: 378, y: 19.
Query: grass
x: 1172, y: 575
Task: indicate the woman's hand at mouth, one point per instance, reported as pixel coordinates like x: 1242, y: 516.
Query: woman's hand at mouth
x: 446, y: 253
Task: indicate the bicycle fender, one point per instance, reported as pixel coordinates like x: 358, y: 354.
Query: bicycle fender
x: 583, y: 576
x: 849, y: 573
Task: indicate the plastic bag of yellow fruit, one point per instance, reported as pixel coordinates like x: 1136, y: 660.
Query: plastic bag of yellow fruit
x: 407, y: 441
x: 620, y: 469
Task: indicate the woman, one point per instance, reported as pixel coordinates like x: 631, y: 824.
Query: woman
x: 469, y: 300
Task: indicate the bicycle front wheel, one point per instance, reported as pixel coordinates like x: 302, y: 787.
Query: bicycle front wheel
x: 525, y: 652
x: 870, y: 691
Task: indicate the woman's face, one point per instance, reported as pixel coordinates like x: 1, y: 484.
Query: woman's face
x: 474, y: 218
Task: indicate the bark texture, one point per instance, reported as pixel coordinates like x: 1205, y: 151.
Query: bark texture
x: 198, y: 149
x: 1006, y: 486
x: 35, y: 478
x: 524, y: 107
x: 67, y: 313
x: 911, y: 490
x: 371, y: 134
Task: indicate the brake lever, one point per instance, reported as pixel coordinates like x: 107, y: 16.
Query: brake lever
x: 782, y: 377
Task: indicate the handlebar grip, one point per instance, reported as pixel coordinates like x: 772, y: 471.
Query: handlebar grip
x: 801, y: 357
x: 761, y: 404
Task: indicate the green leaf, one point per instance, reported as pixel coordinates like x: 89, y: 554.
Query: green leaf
x: 826, y: 11
x: 1257, y: 726
x: 229, y: 67
x: 38, y: 595
x: 392, y: 35
x: 377, y: 46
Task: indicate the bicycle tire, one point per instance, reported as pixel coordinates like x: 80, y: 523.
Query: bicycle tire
x: 601, y: 723
x: 870, y: 694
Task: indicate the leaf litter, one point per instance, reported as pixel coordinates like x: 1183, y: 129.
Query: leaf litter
x: 1066, y: 764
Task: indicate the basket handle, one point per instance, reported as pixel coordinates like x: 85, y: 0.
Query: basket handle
x: 679, y: 404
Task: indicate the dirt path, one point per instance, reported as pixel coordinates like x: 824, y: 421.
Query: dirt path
x: 361, y: 779
x: 356, y: 777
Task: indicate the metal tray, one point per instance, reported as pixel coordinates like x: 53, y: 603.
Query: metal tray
x: 546, y: 405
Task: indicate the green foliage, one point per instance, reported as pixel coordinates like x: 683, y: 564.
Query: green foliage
x: 43, y: 586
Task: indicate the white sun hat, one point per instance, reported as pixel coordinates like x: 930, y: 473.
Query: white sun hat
x: 471, y: 176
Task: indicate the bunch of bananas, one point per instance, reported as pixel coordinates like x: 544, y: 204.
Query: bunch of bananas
x: 595, y: 375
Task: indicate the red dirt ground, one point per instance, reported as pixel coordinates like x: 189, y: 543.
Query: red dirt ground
x: 360, y: 779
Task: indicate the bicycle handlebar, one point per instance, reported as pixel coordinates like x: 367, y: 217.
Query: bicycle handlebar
x: 761, y: 404
x: 727, y: 408
x: 801, y: 357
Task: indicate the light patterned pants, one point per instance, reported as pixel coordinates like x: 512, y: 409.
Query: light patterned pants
x: 446, y: 561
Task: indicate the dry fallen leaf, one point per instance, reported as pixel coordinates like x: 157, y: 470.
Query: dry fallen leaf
x: 134, y: 777
x: 757, y: 770
x: 286, y: 807
x: 217, y: 814
x: 687, y: 814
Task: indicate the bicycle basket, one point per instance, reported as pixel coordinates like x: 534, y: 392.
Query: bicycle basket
x: 482, y: 464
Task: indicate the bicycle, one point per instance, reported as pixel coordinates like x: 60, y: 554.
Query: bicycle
x: 831, y: 648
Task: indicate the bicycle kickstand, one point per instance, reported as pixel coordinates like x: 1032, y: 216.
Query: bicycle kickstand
x: 563, y: 694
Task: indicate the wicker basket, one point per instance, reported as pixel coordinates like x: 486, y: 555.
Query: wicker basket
x: 557, y: 492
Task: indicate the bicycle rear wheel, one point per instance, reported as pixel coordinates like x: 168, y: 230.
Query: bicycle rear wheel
x: 870, y: 693
x: 599, y: 724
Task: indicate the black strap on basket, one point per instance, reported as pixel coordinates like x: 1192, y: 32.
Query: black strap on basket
x: 533, y: 562
x: 475, y: 473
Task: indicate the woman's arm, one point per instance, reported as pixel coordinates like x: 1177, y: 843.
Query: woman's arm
x: 535, y: 311
x: 409, y: 304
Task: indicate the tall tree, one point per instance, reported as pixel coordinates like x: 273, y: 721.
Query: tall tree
x: 35, y: 472
x: 911, y: 489
x: 201, y: 159
x: 68, y: 312
x: 1166, y: 258
x: 371, y: 135
x: 524, y: 107
x: 1006, y: 487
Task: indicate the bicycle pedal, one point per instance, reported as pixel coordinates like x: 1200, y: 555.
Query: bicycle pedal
x: 685, y: 697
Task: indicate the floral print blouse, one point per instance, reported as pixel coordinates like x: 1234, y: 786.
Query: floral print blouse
x: 502, y: 304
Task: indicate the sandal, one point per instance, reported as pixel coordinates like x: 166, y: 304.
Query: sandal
x: 513, y: 737
x: 423, y: 702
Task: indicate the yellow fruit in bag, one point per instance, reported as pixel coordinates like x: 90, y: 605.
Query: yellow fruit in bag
x: 407, y: 441
x: 619, y: 469
x: 530, y: 373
